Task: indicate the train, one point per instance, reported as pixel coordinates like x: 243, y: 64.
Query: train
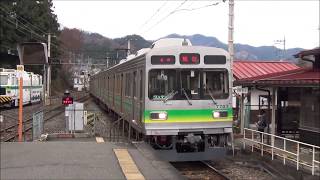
x: 177, y: 95
x: 9, y: 88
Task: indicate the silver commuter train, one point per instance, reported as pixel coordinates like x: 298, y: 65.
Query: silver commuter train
x: 176, y: 94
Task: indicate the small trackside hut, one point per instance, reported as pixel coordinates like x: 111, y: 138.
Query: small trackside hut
x: 175, y: 94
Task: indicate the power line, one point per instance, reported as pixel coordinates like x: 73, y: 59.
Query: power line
x: 178, y: 10
x: 17, y: 16
x: 154, y: 14
x: 192, y: 9
x: 172, y: 12
x: 26, y: 27
x: 37, y: 27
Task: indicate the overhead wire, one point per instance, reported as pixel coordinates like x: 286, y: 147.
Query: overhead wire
x: 154, y: 14
x: 32, y: 31
x: 193, y: 9
x: 172, y: 12
x: 27, y: 28
x: 17, y: 18
x: 178, y: 10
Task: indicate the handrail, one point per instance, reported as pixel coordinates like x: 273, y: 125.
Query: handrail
x: 284, y: 149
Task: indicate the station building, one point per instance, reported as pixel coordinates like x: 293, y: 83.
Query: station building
x: 290, y: 95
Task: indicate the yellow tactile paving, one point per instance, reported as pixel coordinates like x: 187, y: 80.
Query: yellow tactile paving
x: 99, y: 139
x: 129, y: 168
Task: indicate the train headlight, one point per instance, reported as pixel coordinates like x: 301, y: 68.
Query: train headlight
x: 216, y: 114
x: 219, y: 114
x: 158, y: 115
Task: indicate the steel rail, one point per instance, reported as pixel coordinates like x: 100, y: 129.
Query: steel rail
x: 215, y: 170
x: 83, y: 98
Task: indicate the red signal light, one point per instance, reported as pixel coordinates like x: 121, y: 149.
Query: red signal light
x: 67, y: 100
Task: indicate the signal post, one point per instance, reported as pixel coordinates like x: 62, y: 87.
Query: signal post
x: 20, y: 69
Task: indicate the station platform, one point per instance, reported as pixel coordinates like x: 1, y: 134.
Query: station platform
x: 75, y: 159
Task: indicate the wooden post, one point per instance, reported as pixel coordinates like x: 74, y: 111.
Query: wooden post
x: 242, y: 124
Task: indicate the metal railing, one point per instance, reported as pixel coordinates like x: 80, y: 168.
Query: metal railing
x: 288, y: 149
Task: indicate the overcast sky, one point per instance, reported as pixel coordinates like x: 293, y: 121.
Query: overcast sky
x: 257, y: 23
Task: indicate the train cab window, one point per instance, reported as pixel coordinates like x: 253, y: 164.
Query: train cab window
x: 215, y: 84
x: 161, y: 83
x: 190, y: 83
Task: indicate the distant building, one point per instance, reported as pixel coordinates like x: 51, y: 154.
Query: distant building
x: 81, y: 81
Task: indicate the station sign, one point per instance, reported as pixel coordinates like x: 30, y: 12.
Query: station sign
x: 20, y: 69
x: 241, y: 90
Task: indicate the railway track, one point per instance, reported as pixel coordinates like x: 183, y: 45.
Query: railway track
x: 199, y: 170
x: 10, y: 132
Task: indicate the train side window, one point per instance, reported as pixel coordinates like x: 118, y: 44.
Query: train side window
x: 135, y: 84
x: 113, y: 83
x: 108, y: 88
x: 127, y: 89
x: 118, y: 84
x: 141, y: 84
x: 121, y: 85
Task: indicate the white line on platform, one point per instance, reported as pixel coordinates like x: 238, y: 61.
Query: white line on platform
x: 99, y: 139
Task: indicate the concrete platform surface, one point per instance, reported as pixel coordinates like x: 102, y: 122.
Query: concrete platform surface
x: 75, y: 160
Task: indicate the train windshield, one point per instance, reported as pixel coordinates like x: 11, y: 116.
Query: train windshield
x: 3, y: 79
x: 188, y: 84
x: 161, y: 83
x: 215, y: 84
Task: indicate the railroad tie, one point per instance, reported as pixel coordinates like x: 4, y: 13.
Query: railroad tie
x: 129, y: 168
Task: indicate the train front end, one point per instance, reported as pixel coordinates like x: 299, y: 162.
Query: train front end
x: 188, y: 110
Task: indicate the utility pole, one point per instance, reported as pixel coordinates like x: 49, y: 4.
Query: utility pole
x: 129, y: 46
x: 48, y: 71
x: 282, y: 42
x: 128, y: 52
x: 230, y: 32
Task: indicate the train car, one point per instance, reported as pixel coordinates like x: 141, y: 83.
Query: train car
x: 177, y: 95
x: 9, y: 87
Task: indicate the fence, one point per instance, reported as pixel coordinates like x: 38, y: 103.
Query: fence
x: 285, y: 148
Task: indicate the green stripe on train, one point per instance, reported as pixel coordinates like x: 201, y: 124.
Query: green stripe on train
x: 17, y: 87
x: 191, y: 115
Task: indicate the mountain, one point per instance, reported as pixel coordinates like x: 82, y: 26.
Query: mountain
x: 98, y: 48
x: 242, y: 51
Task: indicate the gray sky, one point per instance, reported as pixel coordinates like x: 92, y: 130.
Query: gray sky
x: 257, y: 23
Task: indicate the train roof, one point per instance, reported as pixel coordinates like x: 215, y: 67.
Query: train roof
x: 168, y: 42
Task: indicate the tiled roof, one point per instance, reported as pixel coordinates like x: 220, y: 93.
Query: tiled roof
x: 251, y: 70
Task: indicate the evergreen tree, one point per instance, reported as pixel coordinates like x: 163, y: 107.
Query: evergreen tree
x: 27, y: 21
